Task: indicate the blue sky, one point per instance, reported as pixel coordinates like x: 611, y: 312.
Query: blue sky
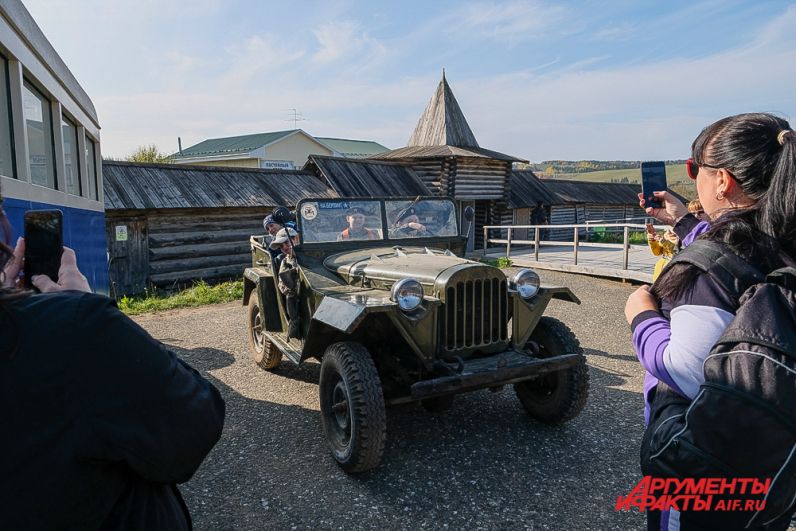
x: 537, y: 80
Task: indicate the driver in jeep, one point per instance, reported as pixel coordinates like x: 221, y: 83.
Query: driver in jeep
x: 407, y: 223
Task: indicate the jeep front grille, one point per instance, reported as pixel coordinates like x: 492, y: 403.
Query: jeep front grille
x: 475, y: 314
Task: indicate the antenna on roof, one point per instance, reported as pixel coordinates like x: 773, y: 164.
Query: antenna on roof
x: 297, y: 117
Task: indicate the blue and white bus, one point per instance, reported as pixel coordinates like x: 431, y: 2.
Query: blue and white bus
x: 49, y: 141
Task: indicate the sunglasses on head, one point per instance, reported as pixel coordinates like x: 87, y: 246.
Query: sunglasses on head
x: 692, y: 167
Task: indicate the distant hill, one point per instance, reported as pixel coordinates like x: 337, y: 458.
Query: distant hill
x: 613, y: 171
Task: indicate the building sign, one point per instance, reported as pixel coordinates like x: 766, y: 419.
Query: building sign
x: 277, y: 165
x: 121, y: 233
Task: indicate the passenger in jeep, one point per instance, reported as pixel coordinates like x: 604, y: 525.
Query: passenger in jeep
x: 288, y: 285
x: 356, y: 230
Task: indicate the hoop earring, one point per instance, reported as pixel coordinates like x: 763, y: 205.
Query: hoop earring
x: 720, y: 196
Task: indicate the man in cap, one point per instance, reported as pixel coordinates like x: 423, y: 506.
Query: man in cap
x: 355, y: 216
x: 407, y: 224
x: 288, y: 285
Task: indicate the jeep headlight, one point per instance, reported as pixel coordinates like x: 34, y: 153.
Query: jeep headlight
x: 526, y: 282
x: 408, y: 293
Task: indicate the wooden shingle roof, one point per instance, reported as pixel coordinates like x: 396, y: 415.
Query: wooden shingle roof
x: 367, y: 178
x: 140, y: 186
x: 567, y: 191
x: 525, y: 190
x: 443, y: 122
x: 443, y: 131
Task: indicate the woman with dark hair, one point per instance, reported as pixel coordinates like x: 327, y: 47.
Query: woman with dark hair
x: 100, y: 420
x: 745, y: 172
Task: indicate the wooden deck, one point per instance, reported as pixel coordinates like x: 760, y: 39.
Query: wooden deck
x: 596, y: 261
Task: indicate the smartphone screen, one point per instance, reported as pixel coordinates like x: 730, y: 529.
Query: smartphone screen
x: 44, y: 243
x: 653, y: 179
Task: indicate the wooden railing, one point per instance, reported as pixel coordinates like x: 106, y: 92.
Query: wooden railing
x: 577, y: 229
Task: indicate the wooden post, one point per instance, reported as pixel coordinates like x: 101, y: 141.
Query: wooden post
x: 575, y: 240
x: 486, y: 235
x: 536, y: 244
x: 508, y: 244
x: 625, y: 247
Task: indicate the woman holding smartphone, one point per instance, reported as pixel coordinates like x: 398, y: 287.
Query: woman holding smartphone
x: 100, y: 420
x: 744, y: 169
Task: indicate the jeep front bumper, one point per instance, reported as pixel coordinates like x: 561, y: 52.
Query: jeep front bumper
x: 505, y: 368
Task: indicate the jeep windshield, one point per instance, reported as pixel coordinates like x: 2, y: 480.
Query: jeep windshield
x: 345, y: 220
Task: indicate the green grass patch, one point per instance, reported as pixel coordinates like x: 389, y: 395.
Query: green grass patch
x: 200, y: 294
x: 502, y: 262
x: 603, y: 236
x: 676, y: 177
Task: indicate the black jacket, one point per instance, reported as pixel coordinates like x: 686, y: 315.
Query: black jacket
x: 99, y: 420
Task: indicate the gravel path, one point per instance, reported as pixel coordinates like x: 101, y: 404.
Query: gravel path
x: 483, y: 464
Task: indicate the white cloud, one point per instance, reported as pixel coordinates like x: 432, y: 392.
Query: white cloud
x: 509, y: 21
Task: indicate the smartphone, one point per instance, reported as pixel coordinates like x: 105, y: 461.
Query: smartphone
x: 44, y: 243
x: 653, y: 179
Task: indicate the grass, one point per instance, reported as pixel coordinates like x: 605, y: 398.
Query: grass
x: 676, y: 177
x: 200, y: 294
x: 675, y: 173
x: 502, y: 262
x: 603, y: 236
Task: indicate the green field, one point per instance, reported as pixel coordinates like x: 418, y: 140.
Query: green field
x: 676, y: 176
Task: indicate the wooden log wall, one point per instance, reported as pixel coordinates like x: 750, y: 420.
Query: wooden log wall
x: 173, y: 249
x: 209, y: 245
x: 477, y: 178
x: 431, y: 172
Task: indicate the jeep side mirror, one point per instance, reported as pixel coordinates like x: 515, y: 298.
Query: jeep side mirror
x: 469, y: 213
x: 282, y: 215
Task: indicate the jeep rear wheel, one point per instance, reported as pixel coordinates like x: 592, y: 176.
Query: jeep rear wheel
x: 556, y: 397
x: 352, y: 407
x: 263, y: 352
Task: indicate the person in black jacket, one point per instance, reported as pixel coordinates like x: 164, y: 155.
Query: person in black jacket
x: 100, y: 421
x: 744, y: 168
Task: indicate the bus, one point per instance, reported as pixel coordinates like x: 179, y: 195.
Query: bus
x: 49, y: 142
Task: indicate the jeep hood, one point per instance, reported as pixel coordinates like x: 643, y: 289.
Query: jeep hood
x: 388, y: 265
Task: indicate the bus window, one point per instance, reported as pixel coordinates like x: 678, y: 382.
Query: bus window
x: 91, y: 165
x: 72, y: 168
x: 6, y: 146
x: 39, y: 126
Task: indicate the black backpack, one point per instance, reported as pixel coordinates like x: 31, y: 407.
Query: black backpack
x: 742, y: 422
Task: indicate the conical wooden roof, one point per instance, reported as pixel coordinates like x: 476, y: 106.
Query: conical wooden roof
x: 443, y: 122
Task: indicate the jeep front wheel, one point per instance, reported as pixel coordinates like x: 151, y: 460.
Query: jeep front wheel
x: 352, y: 407
x: 555, y: 397
x: 263, y: 352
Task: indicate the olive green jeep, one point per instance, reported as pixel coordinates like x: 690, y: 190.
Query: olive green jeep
x: 385, y: 300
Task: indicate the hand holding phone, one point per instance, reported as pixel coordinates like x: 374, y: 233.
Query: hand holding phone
x: 653, y: 179
x: 44, y: 244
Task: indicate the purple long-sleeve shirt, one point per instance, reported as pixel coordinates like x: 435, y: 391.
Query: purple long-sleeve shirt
x: 671, y: 344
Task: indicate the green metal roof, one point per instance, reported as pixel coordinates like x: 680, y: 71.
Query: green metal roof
x: 232, y: 144
x: 353, y: 149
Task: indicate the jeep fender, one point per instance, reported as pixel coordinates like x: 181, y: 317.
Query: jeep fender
x: 527, y: 313
x: 343, y: 313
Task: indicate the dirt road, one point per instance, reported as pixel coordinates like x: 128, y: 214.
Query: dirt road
x: 483, y: 464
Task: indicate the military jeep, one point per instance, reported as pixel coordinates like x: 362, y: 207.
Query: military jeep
x: 395, y: 314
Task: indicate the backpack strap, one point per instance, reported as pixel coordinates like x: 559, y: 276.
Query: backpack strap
x: 733, y: 273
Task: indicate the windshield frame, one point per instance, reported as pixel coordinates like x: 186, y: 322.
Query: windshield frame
x: 386, y: 239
